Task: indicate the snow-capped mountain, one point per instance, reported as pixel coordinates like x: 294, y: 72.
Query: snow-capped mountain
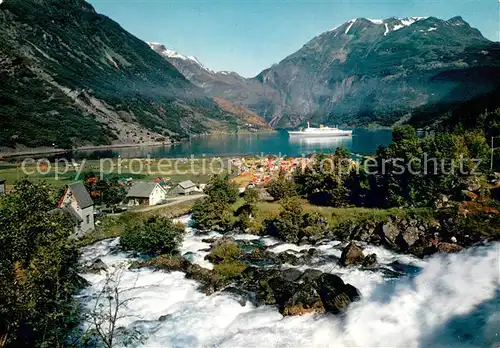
x: 168, y: 53
x: 364, y: 71
x: 379, y: 70
x: 223, y: 84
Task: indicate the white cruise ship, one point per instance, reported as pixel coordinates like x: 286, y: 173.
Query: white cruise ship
x: 322, y: 131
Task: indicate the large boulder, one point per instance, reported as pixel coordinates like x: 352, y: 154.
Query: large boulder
x: 422, y: 247
x: 291, y: 275
x: 292, y: 258
x: 209, y: 281
x: 282, y: 290
x: 96, y: 266
x: 352, y: 255
x: 335, y: 294
x: 448, y: 248
x: 311, y: 291
x: 370, y: 261
x: 388, y: 232
x: 310, y: 275
x: 407, y: 237
x: 305, y: 300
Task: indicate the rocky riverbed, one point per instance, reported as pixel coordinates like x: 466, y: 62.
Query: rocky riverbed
x: 348, y: 295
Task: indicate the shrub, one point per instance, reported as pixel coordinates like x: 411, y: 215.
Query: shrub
x: 229, y: 270
x: 225, y: 257
x: 221, y: 190
x: 38, y: 262
x: 227, y: 251
x: 288, y: 224
x: 215, y: 211
x: 281, y: 188
x: 205, y: 213
x: 155, y: 236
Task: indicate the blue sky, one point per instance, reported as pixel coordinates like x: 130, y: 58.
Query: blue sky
x: 248, y: 36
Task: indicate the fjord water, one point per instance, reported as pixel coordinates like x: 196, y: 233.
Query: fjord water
x: 363, y: 141
x: 443, y: 301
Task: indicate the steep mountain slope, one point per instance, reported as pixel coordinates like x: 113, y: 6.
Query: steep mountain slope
x: 368, y: 72
x: 224, y: 84
x: 71, y: 76
x: 380, y: 72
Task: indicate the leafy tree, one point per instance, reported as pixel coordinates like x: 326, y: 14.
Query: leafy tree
x: 313, y: 224
x: 155, y: 236
x: 207, y: 213
x: 38, y: 275
x: 287, y: 225
x: 341, y: 152
x: 246, y: 212
x: 323, y: 182
x: 402, y: 133
x: 281, y: 188
x: 251, y: 196
x: 221, y: 190
x: 106, y: 192
x: 215, y: 211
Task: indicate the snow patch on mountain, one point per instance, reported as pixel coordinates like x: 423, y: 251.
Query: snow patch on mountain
x: 351, y: 23
x: 410, y: 20
x: 406, y: 22
x: 160, y: 48
x: 391, y: 24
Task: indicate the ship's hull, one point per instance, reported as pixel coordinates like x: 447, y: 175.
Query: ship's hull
x: 339, y: 133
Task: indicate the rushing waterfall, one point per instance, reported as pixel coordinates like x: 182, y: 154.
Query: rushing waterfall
x: 443, y: 301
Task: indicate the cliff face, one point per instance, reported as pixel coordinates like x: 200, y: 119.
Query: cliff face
x: 71, y: 76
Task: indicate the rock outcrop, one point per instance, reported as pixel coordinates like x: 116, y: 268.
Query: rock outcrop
x: 96, y: 266
x: 293, y: 291
x: 310, y: 291
x: 353, y: 255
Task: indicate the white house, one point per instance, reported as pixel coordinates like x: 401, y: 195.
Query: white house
x: 76, y: 202
x: 146, y: 193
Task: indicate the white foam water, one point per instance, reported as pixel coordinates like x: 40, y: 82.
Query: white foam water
x: 453, y: 301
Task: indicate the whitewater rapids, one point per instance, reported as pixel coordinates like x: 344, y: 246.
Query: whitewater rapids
x: 443, y: 301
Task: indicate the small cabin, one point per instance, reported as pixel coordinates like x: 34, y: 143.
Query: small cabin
x: 185, y: 188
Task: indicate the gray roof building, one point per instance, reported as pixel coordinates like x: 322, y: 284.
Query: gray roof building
x: 81, y: 195
x: 187, y: 184
x: 141, y: 190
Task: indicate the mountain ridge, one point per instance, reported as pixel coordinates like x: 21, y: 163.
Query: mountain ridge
x: 368, y: 71
x: 76, y: 77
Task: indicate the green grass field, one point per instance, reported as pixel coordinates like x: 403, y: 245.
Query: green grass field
x: 60, y: 173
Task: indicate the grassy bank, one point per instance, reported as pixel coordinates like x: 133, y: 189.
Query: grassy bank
x: 112, y: 226
x: 59, y: 174
x: 335, y: 217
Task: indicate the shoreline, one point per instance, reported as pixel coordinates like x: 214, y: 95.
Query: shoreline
x: 55, y: 151
x: 42, y: 151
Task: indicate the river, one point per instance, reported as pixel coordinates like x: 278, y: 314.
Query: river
x: 363, y: 141
x: 443, y: 301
